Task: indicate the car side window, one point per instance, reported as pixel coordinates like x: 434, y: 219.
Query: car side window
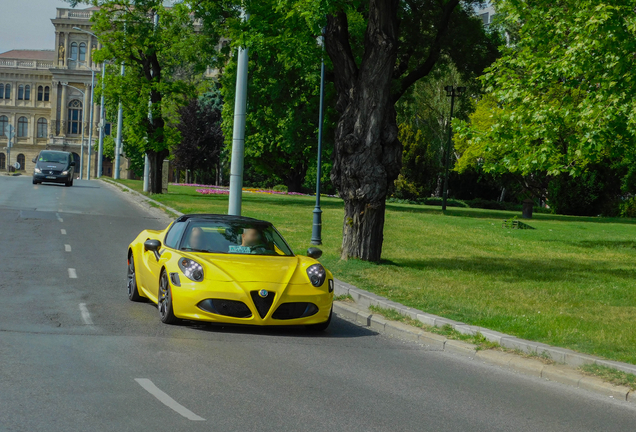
x: 174, y: 235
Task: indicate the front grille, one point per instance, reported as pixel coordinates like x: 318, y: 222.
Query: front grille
x: 231, y: 308
x: 262, y: 304
x: 51, y: 172
x: 288, y: 311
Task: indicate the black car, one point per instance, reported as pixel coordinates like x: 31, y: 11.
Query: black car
x: 55, y: 167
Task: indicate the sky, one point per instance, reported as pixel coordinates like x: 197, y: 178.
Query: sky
x: 26, y: 24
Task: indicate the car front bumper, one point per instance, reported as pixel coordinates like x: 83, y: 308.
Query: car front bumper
x: 52, y: 178
x: 188, y: 298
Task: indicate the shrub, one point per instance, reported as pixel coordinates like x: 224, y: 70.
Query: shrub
x: 280, y: 188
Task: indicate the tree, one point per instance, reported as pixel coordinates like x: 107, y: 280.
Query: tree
x: 163, y: 63
x: 564, y: 88
x: 283, y: 94
x: 201, y: 135
x: 401, y: 43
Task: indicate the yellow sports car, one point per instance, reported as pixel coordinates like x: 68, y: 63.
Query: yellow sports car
x: 228, y: 269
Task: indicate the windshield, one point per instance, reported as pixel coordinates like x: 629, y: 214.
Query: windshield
x: 53, y: 157
x: 234, y: 238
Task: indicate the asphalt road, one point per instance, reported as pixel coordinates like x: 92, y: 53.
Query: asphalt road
x: 75, y: 354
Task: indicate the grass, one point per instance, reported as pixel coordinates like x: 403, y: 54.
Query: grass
x: 570, y: 282
x: 611, y: 375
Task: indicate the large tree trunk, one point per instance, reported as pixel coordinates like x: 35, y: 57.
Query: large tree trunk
x: 367, y: 153
x: 156, y: 170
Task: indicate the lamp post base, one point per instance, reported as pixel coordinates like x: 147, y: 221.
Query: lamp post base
x: 316, y: 232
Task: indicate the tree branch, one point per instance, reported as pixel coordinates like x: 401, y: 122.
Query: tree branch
x: 425, y: 68
x: 345, y: 69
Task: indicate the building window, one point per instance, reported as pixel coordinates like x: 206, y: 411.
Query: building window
x: 46, y: 94
x: 4, y: 122
x: 75, y: 117
x: 3, y: 161
x: 74, y: 51
x: 82, y: 51
x: 21, y: 162
x: 27, y: 92
x: 42, y: 127
x: 40, y: 93
x: 7, y: 91
x: 20, y: 92
x: 23, y: 127
x: 1, y: 91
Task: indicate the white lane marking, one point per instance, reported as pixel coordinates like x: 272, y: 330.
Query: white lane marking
x: 151, y: 388
x: 63, y: 231
x: 86, y: 316
x: 72, y: 273
x: 58, y: 217
x: 67, y: 248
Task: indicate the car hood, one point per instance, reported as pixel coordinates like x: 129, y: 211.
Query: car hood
x: 250, y: 268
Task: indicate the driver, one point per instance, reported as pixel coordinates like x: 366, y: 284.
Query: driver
x: 252, y: 238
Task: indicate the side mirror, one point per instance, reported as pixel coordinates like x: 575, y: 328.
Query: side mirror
x: 34, y: 160
x: 153, y: 246
x: 72, y: 163
x: 314, y: 253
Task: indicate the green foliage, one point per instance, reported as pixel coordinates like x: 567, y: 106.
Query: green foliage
x: 565, y: 88
x: 280, y: 188
x: 283, y: 95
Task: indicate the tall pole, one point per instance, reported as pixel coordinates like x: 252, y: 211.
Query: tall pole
x: 82, y: 150
x: 448, y: 149
x: 316, y: 232
x: 146, y: 159
x: 119, y: 127
x: 90, y: 128
x: 238, y: 137
x: 100, y: 151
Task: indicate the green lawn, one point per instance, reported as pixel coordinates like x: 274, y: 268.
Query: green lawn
x: 568, y: 283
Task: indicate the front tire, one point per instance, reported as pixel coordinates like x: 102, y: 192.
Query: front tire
x: 321, y: 326
x: 35, y: 182
x: 133, y: 291
x: 164, y: 301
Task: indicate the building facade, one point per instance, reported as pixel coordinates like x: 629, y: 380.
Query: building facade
x: 45, y: 95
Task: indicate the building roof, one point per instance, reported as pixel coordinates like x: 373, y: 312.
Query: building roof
x: 29, y: 54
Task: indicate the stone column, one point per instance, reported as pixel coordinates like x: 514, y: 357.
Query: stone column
x: 89, y: 54
x: 67, y: 54
x: 64, y: 113
x: 34, y: 132
x: 53, y: 102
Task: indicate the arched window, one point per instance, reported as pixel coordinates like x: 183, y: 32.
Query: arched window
x: 7, y: 91
x: 27, y: 92
x: 46, y: 94
x: 42, y: 127
x: 1, y: 91
x: 3, y: 161
x: 75, y: 117
x: 40, y: 93
x: 23, y: 127
x: 74, y: 51
x: 20, y: 92
x: 4, y: 122
x: 82, y: 51
x: 21, y: 161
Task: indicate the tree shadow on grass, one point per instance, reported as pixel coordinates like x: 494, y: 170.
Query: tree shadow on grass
x: 515, y: 270
x: 598, y: 244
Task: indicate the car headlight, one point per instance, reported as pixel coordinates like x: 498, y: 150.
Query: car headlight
x: 37, y: 170
x: 64, y: 172
x: 191, y: 269
x: 317, y: 275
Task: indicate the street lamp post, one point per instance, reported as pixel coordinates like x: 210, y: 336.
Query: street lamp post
x: 90, y: 126
x: 81, y: 126
x: 451, y: 92
x: 316, y: 232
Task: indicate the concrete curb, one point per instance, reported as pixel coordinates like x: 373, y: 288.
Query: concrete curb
x: 565, y: 372
x: 142, y: 196
x: 364, y: 299
x: 558, y: 373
